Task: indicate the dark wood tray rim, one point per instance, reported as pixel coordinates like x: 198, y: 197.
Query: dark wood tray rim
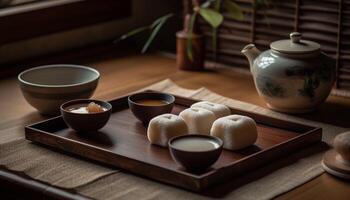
x: 310, y: 134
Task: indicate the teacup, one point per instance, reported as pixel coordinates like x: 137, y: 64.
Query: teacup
x: 147, y: 105
x: 195, y: 152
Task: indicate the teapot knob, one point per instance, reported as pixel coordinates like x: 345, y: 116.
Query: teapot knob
x: 295, y: 37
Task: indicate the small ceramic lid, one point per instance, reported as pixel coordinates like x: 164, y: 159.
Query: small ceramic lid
x: 295, y: 45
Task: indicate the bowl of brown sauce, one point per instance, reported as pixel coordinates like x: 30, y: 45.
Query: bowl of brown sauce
x: 86, y: 115
x: 147, y: 105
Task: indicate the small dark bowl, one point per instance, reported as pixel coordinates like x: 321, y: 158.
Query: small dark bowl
x: 145, y: 113
x: 86, y: 122
x: 195, y: 160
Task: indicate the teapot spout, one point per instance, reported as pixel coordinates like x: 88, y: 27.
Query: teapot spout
x: 251, y: 52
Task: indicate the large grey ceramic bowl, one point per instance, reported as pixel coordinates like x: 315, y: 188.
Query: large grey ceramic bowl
x: 47, y: 87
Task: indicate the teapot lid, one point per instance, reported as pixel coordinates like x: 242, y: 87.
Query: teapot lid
x: 295, y: 45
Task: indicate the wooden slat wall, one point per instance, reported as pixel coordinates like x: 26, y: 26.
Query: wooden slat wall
x: 344, y: 54
x: 324, y: 21
x: 232, y: 36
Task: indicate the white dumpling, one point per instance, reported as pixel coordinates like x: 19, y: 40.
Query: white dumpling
x: 236, y: 131
x: 218, y: 109
x: 164, y: 127
x: 198, y: 120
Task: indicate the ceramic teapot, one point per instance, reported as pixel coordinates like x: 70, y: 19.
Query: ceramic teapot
x: 293, y: 76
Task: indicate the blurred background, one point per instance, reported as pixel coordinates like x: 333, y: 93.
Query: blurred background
x: 32, y: 28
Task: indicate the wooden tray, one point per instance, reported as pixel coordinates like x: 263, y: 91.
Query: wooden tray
x: 123, y: 143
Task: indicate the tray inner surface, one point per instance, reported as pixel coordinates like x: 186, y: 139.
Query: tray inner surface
x: 126, y: 136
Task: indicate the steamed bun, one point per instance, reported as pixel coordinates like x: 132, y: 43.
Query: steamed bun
x: 236, y: 131
x: 198, y: 120
x: 218, y: 109
x: 164, y: 127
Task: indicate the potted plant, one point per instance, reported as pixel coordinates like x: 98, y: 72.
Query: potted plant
x: 190, y: 48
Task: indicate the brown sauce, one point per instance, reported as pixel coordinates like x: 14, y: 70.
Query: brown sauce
x: 152, y: 102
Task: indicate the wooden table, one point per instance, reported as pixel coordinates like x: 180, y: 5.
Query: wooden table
x: 123, y: 74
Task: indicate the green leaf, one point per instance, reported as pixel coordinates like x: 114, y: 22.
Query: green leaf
x: 190, y: 36
x: 233, y: 9
x: 214, y: 18
x: 155, y: 30
x: 160, y: 19
x: 132, y: 33
x: 206, y: 4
